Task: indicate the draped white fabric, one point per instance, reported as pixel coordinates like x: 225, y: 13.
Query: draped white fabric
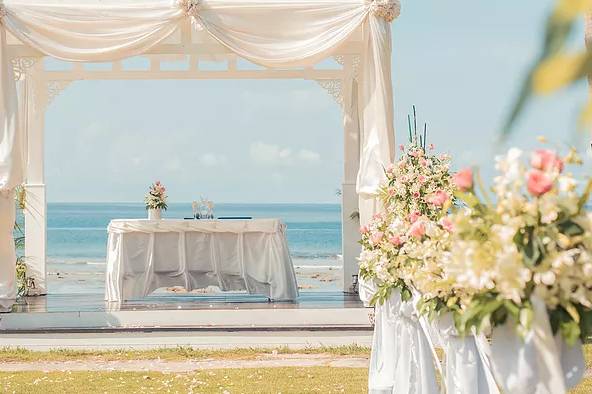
x: 402, y: 359
x: 11, y: 156
x: 538, y: 363
x: 276, y: 33
x: 92, y: 32
x: 466, y: 367
x: 251, y: 255
x: 7, y: 255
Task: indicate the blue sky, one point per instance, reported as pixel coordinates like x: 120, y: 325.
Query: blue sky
x: 459, y: 62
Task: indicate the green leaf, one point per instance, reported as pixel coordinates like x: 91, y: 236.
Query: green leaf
x: 406, y: 294
x: 470, y: 199
x: 585, y: 196
x: 557, y: 32
x: 533, y: 250
x: 570, y: 331
x: 570, y: 228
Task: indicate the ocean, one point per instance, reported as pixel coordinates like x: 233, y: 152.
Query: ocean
x: 77, y: 238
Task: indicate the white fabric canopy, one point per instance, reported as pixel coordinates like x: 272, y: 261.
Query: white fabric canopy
x: 251, y: 255
x: 274, y: 33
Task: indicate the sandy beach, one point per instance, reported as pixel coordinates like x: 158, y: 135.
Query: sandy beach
x: 89, y: 277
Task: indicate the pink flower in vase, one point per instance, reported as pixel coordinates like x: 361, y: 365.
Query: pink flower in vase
x: 364, y: 229
x: 413, y: 216
x: 376, y: 237
x: 447, y: 224
x: 421, y: 179
x: 431, y: 146
x: 546, y: 160
x: 464, y: 179
x: 417, y: 229
x: 396, y: 240
x: 416, y: 195
x: 438, y: 199
x: 538, y: 183
x: 402, y: 148
x: 423, y: 162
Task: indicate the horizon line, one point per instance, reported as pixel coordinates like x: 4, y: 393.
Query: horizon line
x: 189, y: 202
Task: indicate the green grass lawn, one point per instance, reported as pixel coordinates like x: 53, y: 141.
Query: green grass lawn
x: 263, y: 381
x: 172, y: 354
x: 269, y: 380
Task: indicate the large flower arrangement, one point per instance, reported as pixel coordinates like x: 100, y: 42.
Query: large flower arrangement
x: 535, y: 241
x: 156, y: 197
x: 401, y: 246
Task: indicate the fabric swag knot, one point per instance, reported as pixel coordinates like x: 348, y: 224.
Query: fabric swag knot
x: 3, y: 11
x: 191, y: 7
x: 387, y: 9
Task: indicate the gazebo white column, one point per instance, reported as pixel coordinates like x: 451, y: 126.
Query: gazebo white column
x: 351, y: 159
x: 36, y: 205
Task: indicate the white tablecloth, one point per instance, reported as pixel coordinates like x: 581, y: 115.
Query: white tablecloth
x: 251, y: 255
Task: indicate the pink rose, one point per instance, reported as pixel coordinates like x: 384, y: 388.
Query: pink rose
x: 413, y: 216
x: 402, y: 147
x: 431, y: 146
x: 376, y: 237
x: 447, y: 224
x: 417, y: 229
x: 423, y: 162
x: 390, y: 169
x: 546, y: 160
x: 396, y: 240
x: 421, y: 179
x: 464, y: 179
x: 538, y: 183
x: 416, y: 194
x: 438, y: 199
x: 364, y: 229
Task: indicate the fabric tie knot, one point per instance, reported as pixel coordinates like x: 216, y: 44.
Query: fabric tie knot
x: 387, y: 9
x: 191, y: 7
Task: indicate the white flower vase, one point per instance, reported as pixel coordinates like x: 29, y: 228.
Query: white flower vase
x: 154, y: 214
x: 572, y: 361
x: 466, y: 368
x: 532, y: 364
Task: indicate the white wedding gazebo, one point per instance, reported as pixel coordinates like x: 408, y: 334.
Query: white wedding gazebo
x: 287, y: 38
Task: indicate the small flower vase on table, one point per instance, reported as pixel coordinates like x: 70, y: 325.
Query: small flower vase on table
x: 154, y: 214
x: 155, y: 200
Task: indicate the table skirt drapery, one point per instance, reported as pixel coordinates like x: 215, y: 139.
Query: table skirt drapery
x: 146, y: 255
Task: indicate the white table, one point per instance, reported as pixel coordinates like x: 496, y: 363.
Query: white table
x: 251, y: 255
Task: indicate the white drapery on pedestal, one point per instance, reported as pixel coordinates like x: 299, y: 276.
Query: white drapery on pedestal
x: 274, y: 33
x: 235, y: 255
x: 402, y: 359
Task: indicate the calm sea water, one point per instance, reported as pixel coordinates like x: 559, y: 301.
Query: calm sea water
x: 77, y: 232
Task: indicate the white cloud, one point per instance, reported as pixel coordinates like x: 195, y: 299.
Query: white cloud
x: 213, y: 160
x: 308, y: 156
x: 269, y: 153
x: 265, y: 153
